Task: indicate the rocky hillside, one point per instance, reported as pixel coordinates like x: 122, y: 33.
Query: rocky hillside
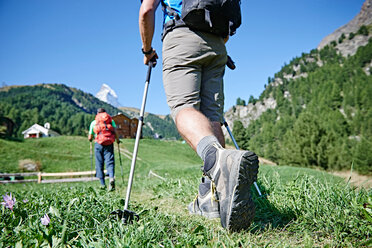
x: 250, y: 112
x: 345, y: 38
x: 317, y: 110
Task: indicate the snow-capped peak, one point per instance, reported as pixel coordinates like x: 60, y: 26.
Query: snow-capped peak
x: 108, y: 95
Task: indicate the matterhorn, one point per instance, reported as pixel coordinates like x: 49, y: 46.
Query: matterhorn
x: 108, y: 95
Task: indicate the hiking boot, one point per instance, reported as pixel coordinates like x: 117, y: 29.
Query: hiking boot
x: 111, y: 185
x: 205, y: 203
x: 233, y: 174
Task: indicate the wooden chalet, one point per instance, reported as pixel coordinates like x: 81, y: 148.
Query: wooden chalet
x: 6, y: 127
x: 125, y: 126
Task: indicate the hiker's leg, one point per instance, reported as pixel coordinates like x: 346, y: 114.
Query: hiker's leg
x: 193, y: 68
x: 98, y: 151
x: 193, y: 126
x: 231, y: 171
x: 110, y: 160
x: 212, y: 87
x: 110, y: 165
x: 186, y: 54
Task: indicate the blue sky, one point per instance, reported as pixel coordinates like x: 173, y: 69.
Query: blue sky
x: 84, y: 43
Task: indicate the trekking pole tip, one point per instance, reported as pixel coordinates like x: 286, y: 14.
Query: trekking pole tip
x: 126, y: 216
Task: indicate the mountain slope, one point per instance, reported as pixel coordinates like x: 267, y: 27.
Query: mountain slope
x: 108, y: 95
x: 68, y: 110
x: 345, y: 37
x: 316, y: 111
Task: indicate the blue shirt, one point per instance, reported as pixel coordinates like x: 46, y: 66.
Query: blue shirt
x: 176, y: 5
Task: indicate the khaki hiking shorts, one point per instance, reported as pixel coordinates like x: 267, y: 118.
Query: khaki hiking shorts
x: 193, y: 70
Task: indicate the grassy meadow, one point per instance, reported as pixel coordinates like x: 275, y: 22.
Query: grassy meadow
x: 302, y: 208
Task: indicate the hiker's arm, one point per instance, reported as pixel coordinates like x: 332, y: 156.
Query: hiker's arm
x: 90, y: 132
x: 147, y: 27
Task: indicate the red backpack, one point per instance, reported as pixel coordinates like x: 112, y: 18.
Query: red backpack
x: 104, y: 129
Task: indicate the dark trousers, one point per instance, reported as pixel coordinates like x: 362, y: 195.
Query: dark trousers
x: 104, y: 154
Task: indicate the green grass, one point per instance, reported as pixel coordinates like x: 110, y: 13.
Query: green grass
x: 55, y: 154
x: 304, y: 207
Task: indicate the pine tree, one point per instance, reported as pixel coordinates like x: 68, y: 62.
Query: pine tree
x: 239, y: 134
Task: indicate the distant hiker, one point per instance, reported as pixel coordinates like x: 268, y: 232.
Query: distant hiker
x: 194, y: 59
x: 104, y: 130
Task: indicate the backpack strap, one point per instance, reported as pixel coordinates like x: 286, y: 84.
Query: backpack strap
x: 104, y: 122
x: 208, y: 18
x: 172, y: 23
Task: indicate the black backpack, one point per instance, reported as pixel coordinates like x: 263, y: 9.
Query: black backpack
x: 221, y: 17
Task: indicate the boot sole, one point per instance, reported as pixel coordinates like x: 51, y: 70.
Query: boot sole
x: 237, y: 210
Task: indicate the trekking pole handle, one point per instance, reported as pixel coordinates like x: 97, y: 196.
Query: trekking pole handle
x: 152, y: 62
x: 148, y: 75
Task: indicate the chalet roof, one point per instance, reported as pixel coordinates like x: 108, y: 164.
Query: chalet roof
x: 6, y: 119
x: 121, y: 114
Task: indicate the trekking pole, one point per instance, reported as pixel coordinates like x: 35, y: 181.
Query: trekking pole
x: 91, y: 160
x: 126, y: 215
x: 121, y: 166
x: 237, y: 147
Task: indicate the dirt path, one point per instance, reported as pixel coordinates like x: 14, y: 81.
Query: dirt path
x: 127, y: 153
x: 266, y: 161
x: 356, y: 179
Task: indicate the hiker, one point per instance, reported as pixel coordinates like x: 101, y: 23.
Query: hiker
x: 194, y: 62
x: 104, y: 130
